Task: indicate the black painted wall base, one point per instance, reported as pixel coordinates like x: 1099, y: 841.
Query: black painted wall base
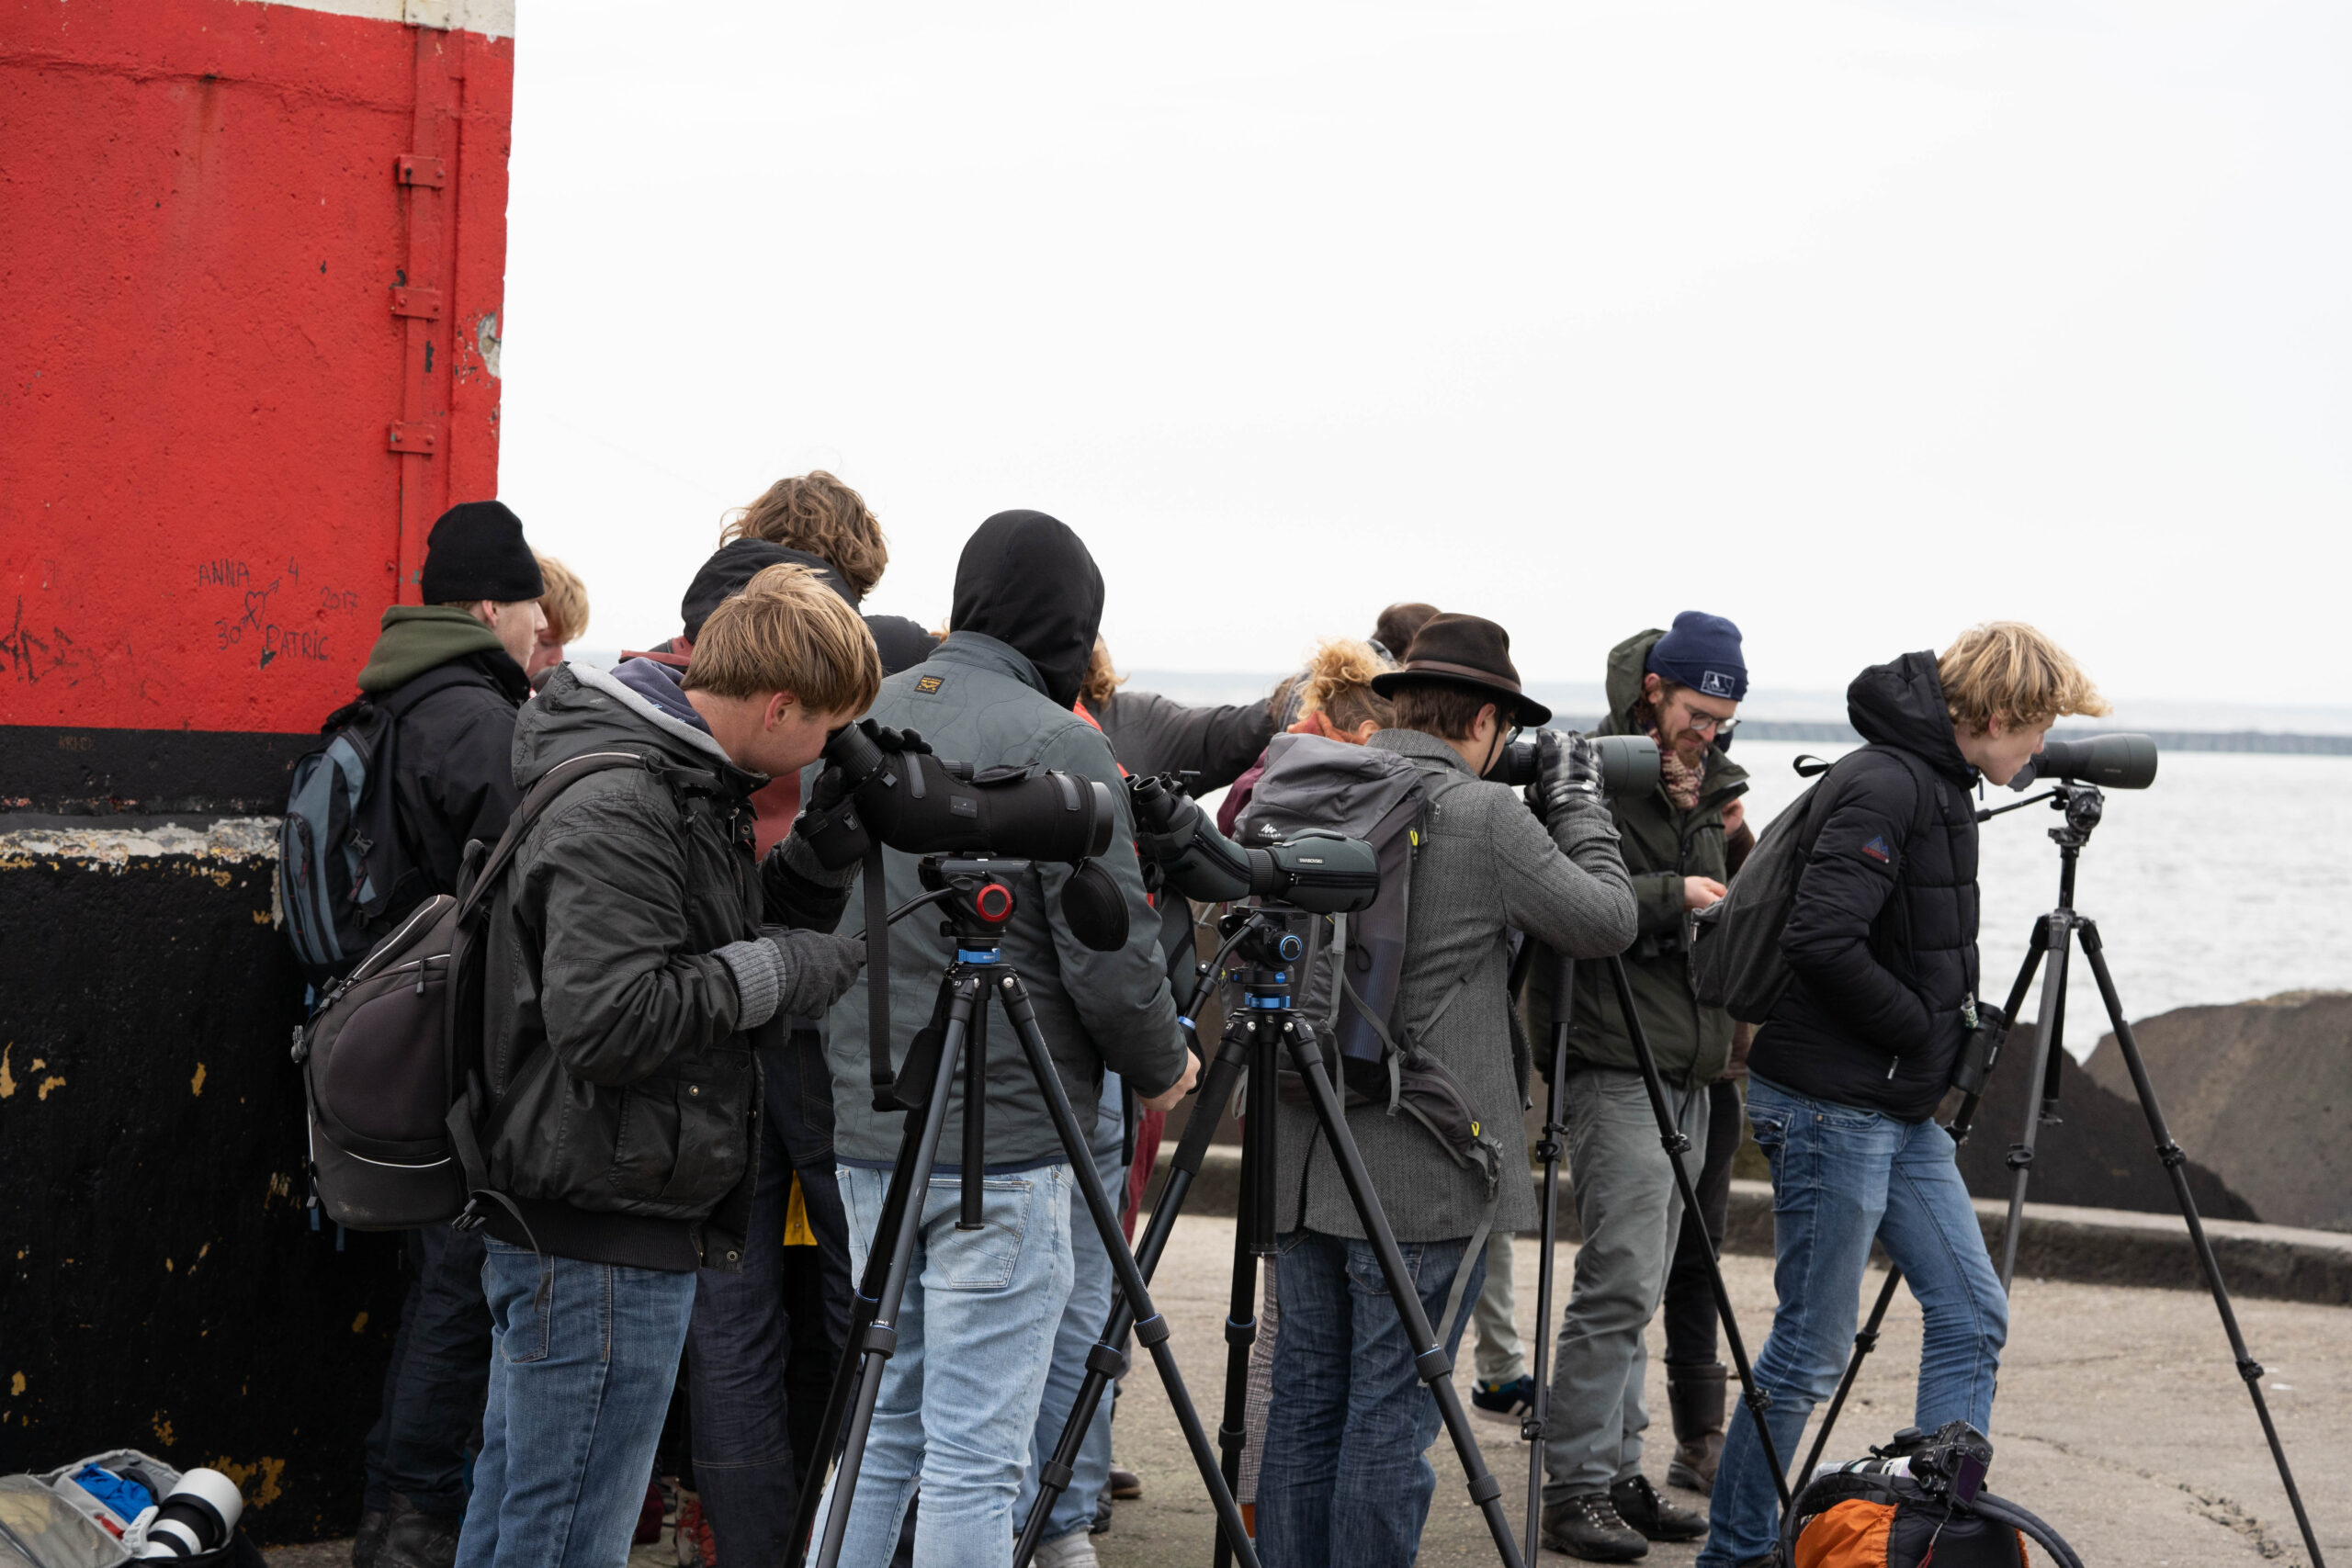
x: 160, y: 1285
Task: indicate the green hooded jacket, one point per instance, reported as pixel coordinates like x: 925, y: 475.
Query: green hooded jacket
x: 1662, y: 844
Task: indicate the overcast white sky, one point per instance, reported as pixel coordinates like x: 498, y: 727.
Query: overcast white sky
x: 1856, y: 322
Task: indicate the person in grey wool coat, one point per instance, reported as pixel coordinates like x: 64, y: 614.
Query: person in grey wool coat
x: 1344, y: 1479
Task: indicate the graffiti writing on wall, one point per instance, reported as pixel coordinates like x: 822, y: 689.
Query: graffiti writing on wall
x: 266, y: 620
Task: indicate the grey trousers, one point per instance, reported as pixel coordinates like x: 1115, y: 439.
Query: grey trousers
x: 1627, y: 1204
x: 1501, y: 1357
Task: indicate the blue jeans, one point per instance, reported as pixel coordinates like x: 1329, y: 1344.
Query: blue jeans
x: 1345, y: 1479
x: 960, y: 1397
x: 761, y: 1354
x: 434, y: 1387
x: 1840, y: 1176
x: 1082, y: 1325
x: 582, y: 1359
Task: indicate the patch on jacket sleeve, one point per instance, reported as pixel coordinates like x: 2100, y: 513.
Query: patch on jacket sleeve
x: 929, y: 686
x: 1876, y: 849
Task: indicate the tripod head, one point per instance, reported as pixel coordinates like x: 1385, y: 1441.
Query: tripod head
x: 975, y: 892
x: 2083, y: 806
x: 1265, y: 938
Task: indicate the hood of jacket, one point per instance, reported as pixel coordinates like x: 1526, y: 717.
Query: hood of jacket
x: 417, y: 638
x: 1027, y: 581
x: 1628, y: 663
x: 584, y: 709
x: 1902, y: 703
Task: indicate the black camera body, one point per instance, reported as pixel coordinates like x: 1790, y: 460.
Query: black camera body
x: 1628, y: 763
x: 1322, y: 874
x: 919, y: 804
x: 1947, y: 1463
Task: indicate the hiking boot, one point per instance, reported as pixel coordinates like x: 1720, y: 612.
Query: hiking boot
x: 1639, y: 1505
x: 1102, y: 1525
x: 413, y: 1539
x: 1695, y: 1396
x: 1126, y: 1484
x: 370, y: 1538
x: 1588, y: 1527
x: 1506, y: 1401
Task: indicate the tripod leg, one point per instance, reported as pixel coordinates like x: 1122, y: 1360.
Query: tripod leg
x: 1677, y: 1145
x: 2058, y: 937
x: 1208, y: 1108
x: 862, y: 1313
x: 864, y: 1358
x: 1241, y: 1338
x: 2175, y: 1163
x: 1866, y: 1340
x: 1151, y: 1330
x: 1429, y: 1360
x: 1535, y: 1428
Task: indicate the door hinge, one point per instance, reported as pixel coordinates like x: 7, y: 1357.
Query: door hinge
x: 414, y: 435
x: 413, y: 169
x: 423, y: 303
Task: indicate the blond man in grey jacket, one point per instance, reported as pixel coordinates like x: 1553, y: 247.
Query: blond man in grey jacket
x: 1344, y: 1479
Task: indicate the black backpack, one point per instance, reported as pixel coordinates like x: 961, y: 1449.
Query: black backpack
x: 1734, y: 943
x: 345, y: 868
x: 391, y: 1054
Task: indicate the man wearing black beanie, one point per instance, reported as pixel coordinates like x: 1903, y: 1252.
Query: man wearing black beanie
x: 449, y: 671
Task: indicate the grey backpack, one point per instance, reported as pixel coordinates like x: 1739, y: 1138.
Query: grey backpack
x: 1735, y: 943
x: 1355, y: 963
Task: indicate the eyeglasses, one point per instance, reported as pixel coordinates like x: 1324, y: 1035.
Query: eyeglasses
x: 1708, y: 724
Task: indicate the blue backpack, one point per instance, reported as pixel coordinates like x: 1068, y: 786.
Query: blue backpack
x: 344, y: 871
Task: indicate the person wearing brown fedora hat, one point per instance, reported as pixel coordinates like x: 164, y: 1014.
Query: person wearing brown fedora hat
x: 1344, y: 1478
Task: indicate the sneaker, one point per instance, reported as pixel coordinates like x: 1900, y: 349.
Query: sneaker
x: 1588, y: 1527
x: 1126, y: 1484
x: 413, y: 1539
x: 370, y: 1538
x: 1505, y: 1401
x: 696, y: 1546
x: 1639, y: 1505
x: 1071, y: 1550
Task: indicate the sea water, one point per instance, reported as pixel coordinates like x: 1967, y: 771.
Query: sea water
x: 2216, y: 884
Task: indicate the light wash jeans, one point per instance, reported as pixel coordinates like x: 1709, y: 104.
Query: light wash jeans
x: 1090, y: 1304
x: 582, y: 1359
x: 959, y: 1398
x: 1841, y: 1176
x: 1346, y: 1479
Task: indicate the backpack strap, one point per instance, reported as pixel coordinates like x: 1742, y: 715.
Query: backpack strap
x: 464, y: 1111
x: 2000, y: 1510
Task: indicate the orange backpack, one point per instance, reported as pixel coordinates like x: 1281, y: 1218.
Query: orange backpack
x: 1849, y: 1520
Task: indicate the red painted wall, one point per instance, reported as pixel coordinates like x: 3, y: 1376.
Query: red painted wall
x: 203, y: 226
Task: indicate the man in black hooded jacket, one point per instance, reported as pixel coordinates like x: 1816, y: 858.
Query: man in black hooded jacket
x: 961, y: 1396
x: 1845, y: 1077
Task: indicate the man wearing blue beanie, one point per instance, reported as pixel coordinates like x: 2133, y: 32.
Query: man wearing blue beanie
x: 1681, y: 688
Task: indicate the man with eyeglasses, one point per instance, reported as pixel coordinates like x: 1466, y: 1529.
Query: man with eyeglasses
x: 1681, y: 688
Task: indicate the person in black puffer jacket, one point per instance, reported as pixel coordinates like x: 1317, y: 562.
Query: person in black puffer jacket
x: 1845, y: 1076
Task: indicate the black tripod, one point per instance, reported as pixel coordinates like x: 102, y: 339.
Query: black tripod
x: 2053, y: 938
x: 978, y: 900
x: 1534, y: 1427
x: 1256, y: 1035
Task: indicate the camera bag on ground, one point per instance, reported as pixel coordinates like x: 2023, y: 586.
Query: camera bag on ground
x: 120, y: 1506
x: 1873, y: 1517
x: 1735, y: 943
x: 343, y: 861
x: 389, y: 1055
x: 1355, y: 963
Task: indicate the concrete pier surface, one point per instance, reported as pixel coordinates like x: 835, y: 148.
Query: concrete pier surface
x: 2121, y: 1419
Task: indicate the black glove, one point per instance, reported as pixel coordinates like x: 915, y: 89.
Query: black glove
x: 891, y: 739
x: 819, y: 969
x: 830, y: 824
x: 1568, y: 772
